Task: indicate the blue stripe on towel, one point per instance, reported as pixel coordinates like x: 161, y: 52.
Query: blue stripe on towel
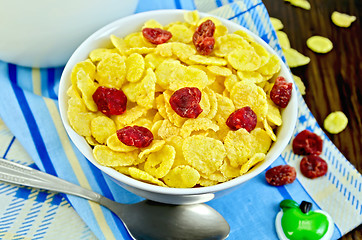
x: 30, y: 121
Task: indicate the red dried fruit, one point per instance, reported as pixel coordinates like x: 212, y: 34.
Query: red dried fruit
x: 242, y: 118
x: 203, y: 37
x: 156, y: 35
x: 307, y: 143
x: 281, y: 92
x: 281, y: 175
x: 185, y: 102
x: 135, y: 136
x: 110, y: 101
x: 313, y: 166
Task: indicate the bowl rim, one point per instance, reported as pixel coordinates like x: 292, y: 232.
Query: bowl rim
x: 79, y: 141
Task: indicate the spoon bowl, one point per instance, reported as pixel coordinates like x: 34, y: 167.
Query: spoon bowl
x: 143, y: 220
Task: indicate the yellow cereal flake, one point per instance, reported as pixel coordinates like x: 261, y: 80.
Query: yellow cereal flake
x: 135, y: 65
x: 269, y: 130
x: 152, y: 23
x: 192, y: 17
x: 167, y: 129
x: 181, y: 33
x: 182, y: 176
x: 86, y: 67
x: 244, y: 60
x: 262, y: 140
x: 239, y: 146
x: 111, y: 71
x: 335, y: 122
x: 193, y: 77
x: 283, y: 39
x: 295, y: 58
x: 142, y: 92
x: 300, y: 3
x: 203, y: 153
x: 213, y: 19
x: 222, y: 71
x: 107, y: 157
x: 98, y: 54
x: 168, y: 71
x: 155, y: 146
x: 144, y: 176
x: 262, y: 53
x: 136, y: 40
x: 176, y: 141
x: 246, y: 93
x: 102, y: 127
x: 206, y: 182
x: 197, y: 124
x: 159, y: 163
x: 227, y: 43
x: 319, y: 44
x: 212, y: 102
x: 273, y: 116
x: 86, y: 86
x: 228, y: 171
x: 254, y: 77
x: 119, y: 43
x: 213, y: 61
x: 300, y: 85
x: 129, y: 116
x: 215, y: 176
x: 116, y: 145
x: 277, y: 24
x: 256, y: 158
x: 342, y: 19
x: 225, y: 106
x: 271, y: 67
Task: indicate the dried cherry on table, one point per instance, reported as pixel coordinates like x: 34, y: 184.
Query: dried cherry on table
x: 281, y: 175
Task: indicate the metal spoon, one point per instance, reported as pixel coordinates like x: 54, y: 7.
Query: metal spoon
x: 144, y: 220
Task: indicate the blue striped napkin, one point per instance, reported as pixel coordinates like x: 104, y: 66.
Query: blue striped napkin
x: 28, y: 107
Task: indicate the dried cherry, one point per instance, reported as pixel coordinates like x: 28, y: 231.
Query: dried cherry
x: 281, y: 92
x: 307, y: 143
x: 156, y: 35
x: 110, y: 101
x: 281, y: 175
x: 135, y: 136
x: 242, y: 118
x: 313, y: 166
x: 203, y: 37
x: 185, y: 102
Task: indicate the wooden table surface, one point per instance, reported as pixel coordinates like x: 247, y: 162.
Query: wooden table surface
x: 333, y: 80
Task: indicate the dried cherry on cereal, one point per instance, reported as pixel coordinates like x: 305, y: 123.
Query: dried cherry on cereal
x: 281, y: 175
x: 281, y: 92
x: 110, y: 101
x: 307, y: 143
x: 313, y: 166
x: 203, y: 37
x: 135, y: 136
x: 242, y: 118
x: 185, y: 102
x: 156, y: 35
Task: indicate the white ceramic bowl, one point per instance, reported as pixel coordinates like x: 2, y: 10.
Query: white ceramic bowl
x: 44, y: 33
x: 133, y: 23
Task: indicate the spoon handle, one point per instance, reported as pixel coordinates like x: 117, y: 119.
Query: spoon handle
x: 23, y: 175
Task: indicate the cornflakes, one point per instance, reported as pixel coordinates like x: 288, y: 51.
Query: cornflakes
x: 342, y: 19
x: 184, y: 150
x: 335, y: 122
x: 319, y: 44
